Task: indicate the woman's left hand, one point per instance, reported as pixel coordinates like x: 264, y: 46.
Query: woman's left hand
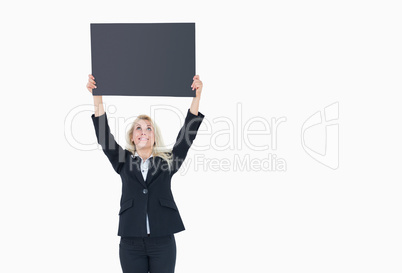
x: 197, y: 85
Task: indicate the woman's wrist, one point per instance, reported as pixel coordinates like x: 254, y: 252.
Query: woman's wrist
x: 98, y: 106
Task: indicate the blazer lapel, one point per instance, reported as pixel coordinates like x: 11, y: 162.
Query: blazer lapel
x: 154, y: 170
x: 136, y: 169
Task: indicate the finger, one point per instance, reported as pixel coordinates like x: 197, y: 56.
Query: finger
x: 196, y: 77
x: 198, y: 83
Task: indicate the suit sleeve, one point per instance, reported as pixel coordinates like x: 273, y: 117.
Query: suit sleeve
x: 112, y: 150
x: 185, y: 139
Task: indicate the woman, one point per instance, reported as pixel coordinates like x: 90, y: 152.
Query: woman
x: 148, y: 216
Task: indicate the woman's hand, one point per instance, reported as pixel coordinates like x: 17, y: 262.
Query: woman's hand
x: 91, y: 83
x: 197, y: 85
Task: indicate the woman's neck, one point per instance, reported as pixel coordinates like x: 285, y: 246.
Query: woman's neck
x: 144, y: 154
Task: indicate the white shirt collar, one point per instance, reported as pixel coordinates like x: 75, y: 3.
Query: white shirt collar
x: 136, y: 154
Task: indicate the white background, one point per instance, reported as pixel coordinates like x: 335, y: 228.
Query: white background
x: 60, y: 200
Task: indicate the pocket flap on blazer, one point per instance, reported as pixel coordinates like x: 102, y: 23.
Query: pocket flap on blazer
x: 168, y: 203
x: 126, y: 205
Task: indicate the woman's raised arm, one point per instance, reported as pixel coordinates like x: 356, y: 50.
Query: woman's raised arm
x: 197, y: 85
x: 98, y: 102
x: 189, y: 129
x: 114, y: 152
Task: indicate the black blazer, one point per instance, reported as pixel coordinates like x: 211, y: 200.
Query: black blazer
x: 153, y: 196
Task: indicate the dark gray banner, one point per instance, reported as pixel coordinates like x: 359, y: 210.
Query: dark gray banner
x: 143, y: 59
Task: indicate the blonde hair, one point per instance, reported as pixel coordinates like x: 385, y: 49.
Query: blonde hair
x: 158, y: 149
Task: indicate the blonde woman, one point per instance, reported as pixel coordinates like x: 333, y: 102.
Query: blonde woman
x: 148, y: 216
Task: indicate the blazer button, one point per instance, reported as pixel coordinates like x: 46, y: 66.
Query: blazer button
x: 144, y: 191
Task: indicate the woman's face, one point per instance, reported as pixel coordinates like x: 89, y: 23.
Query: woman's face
x: 143, y: 134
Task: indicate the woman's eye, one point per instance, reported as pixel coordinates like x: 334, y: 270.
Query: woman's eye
x: 149, y: 128
x: 138, y: 128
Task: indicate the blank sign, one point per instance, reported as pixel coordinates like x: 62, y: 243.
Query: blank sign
x: 143, y: 59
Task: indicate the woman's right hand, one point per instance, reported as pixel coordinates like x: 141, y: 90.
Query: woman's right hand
x: 91, y: 83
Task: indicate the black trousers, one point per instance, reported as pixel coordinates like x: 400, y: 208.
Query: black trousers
x: 148, y: 254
